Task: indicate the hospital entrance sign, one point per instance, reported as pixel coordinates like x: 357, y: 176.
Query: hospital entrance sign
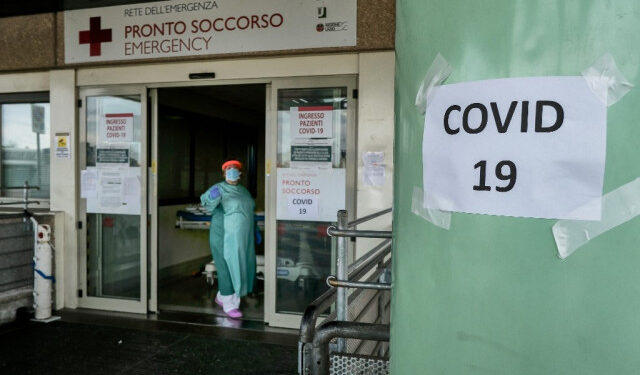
x: 529, y: 147
x: 203, y: 27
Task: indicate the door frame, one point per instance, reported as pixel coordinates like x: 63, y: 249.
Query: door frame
x: 154, y: 165
x: 271, y: 139
x: 148, y: 236
x: 108, y: 303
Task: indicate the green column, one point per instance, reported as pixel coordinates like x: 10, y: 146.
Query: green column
x: 491, y: 296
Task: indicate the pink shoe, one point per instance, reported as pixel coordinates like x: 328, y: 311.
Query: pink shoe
x: 234, y: 313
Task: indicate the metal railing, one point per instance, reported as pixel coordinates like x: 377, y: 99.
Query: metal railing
x: 17, y: 243
x: 369, y: 279
x: 25, y: 195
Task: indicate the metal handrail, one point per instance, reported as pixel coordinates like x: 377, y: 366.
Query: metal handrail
x: 307, y: 348
x: 335, y: 232
x: 20, y: 187
x: 25, y: 195
x: 369, y: 217
x: 324, y: 301
x: 335, y: 283
x: 371, y: 257
x: 18, y: 202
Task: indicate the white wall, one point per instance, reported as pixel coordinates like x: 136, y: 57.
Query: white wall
x: 375, y: 133
x: 178, y: 245
x: 236, y: 69
x: 24, y: 82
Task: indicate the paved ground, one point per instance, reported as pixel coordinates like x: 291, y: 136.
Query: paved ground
x: 74, y: 348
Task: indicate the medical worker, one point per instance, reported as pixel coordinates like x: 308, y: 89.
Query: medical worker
x: 231, y: 237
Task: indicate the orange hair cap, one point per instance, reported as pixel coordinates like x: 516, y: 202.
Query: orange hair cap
x: 231, y: 163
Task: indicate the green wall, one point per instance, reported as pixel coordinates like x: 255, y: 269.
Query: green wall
x: 491, y: 296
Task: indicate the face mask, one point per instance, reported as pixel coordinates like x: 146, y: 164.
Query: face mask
x: 232, y: 174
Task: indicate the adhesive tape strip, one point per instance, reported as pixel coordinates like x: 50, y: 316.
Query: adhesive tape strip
x: 618, y: 207
x: 438, y: 218
x: 438, y: 72
x: 606, y: 81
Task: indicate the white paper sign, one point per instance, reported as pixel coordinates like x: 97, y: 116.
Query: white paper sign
x: 320, y: 191
x: 116, y: 128
x: 531, y: 147
x: 373, y: 171
x: 311, y: 122
x: 202, y: 27
x: 373, y: 175
x: 116, y: 191
x: 111, y: 187
x: 88, y: 184
x: 303, y: 207
x: 311, y: 153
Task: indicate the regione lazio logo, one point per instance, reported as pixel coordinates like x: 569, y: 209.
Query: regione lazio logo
x: 95, y: 36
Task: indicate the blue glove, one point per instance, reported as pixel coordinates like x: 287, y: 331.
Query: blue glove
x: 214, y: 192
x: 258, y: 237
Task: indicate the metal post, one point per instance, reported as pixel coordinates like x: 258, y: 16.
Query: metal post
x: 342, y: 312
x: 38, y: 173
x: 25, y: 195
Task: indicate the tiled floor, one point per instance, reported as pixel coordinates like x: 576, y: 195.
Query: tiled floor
x: 193, y: 294
x: 77, y: 348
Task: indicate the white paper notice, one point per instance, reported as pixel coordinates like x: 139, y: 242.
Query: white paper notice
x: 304, y: 207
x: 531, y: 147
x: 320, y: 191
x: 373, y: 173
x: 132, y: 186
x: 311, y: 122
x: 117, y: 190
x: 373, y: 158
x: 116, y: 128
x: 88, y: 184
x: 110, y: 187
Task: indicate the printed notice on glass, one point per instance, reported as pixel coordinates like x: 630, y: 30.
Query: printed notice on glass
x: 88, y: 183
x: 112, y: 157
x: 527, y: 147
x: 115, y: 128
x: 311, y: 122
x: 303, y: 207
x: 110, y: 187
x: 112, y: 190
x: 310, y: 194
x: 311, y: 153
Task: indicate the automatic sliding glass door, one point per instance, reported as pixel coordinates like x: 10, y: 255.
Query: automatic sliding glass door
x: 313, y: 178
x: 113, y: 179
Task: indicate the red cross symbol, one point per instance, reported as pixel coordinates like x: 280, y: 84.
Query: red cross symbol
x: 95, y: 36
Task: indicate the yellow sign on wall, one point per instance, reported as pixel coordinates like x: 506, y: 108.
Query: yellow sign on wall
x: 63, y: 147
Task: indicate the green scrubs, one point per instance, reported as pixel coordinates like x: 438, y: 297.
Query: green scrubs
x: 231, y: 237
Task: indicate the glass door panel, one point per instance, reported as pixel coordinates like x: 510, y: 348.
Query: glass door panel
x: 113, y: 200
x: 312, y: 159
